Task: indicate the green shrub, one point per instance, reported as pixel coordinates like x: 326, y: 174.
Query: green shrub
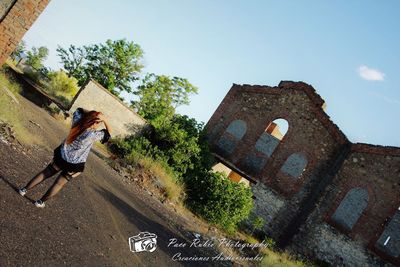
x: 257, y: 223
x: 177, y: 142
x: 219, y: 200
x: 61, y: 84
x: 124, y: 147
x: 181, y: 145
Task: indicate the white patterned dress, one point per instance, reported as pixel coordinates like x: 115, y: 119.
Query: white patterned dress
x: 72, y: 157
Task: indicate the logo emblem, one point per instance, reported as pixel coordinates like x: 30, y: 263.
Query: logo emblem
x: 144, y: 241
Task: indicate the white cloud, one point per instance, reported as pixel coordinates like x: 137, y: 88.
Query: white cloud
x: 370, y: 74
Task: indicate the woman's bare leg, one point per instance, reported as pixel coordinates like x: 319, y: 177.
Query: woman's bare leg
x: 49, y: 171
x: 58, y: 185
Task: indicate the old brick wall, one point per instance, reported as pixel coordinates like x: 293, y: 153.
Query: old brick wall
x: 356, y: 235
x: 16, y: 17
x: 122, y: 119
x: 279, y: 196
x: 344, y: 209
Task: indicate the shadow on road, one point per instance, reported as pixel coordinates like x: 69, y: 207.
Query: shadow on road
x: 14, y: 187
x: 163, y: 234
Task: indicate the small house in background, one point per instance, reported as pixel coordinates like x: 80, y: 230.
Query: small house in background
x: 122, y: 119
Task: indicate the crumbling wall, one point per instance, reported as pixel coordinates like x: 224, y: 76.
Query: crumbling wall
x: 344, y: 208
x: 236, y: 132
x: 16, y: 17
x: 358, y: 213
x: 122, y: 119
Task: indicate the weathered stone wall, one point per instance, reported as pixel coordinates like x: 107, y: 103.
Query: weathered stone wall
x: 16, y: 17
x: 368, y: 186
x: 267, y: 204
x: 344, y: 209
x: 236, y: 132
x: 122, y: 119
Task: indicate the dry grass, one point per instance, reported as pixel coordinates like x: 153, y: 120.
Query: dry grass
x: 164, y: 177
x: 284, y: 259
x: 273, y: 258
x: 174, y: 192
x: 10, y: 112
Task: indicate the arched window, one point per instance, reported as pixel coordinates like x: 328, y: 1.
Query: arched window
x: 389, y: 241
x: 232, y: 135
x: 295, y: 165
x: 237, y: 128
x: 278, y: 128
x: 351, y: 208
x: 271, y: 137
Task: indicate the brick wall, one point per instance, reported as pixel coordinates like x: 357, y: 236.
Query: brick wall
x: 376, y: 170
x: 310, y: 134
x: 123, y: 120
x: 313, y: 214
x: 17, y: 17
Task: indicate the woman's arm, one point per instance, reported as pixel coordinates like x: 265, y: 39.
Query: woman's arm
x: 106, y: 124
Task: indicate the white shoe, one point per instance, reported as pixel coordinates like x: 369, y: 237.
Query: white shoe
x: 39, y: 204
x: 22, y: 191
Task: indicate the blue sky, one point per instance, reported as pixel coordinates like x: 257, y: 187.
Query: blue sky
x: 348, y: 50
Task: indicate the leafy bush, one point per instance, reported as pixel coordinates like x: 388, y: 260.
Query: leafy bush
x: 125, y: 147
x: 219, y: 200
x: 258, y: 223
x: 180, y: 143
x: 175, y: 142
x: 60, y: 83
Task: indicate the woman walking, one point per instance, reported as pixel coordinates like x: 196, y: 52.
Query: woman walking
x: 70, y: 157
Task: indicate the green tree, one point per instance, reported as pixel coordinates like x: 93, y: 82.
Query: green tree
x: 160, y: 95
x: 73, y: 60
x: 18, y: 51
x: 114, y: 64
x: 36, y: 56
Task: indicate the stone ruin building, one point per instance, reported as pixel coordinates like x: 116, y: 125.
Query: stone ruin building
x: 320, y: 195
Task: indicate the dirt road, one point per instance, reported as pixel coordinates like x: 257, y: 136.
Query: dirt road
x: 90, y: 221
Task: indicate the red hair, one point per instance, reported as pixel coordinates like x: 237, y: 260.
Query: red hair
x: 87, y: 120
